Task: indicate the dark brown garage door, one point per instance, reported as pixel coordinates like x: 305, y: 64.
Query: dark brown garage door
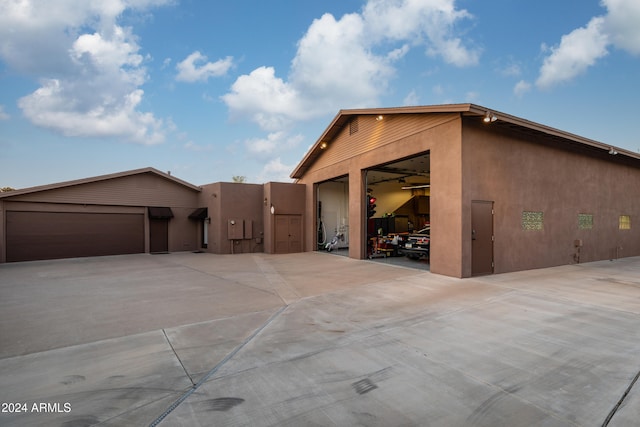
x: 52, y: 235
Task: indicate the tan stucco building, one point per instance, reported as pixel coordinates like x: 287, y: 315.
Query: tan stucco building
x: 498, y: 192
x: 145, y: 211
x: 504, y: 193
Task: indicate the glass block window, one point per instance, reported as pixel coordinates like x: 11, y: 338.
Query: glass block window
x: 585, y: 221
x: 532, y: 220
x: 625, y: 222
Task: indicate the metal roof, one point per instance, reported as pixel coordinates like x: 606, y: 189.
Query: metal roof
x: 502, y: 121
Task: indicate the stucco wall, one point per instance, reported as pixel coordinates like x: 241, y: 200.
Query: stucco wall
x: 241, y: 203
x: 286, y: 199
x: 446, y: 254
x: 520, y: 174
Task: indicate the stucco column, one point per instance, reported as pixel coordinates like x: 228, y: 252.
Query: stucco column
x: 446, y: 204
x: 357, y: 223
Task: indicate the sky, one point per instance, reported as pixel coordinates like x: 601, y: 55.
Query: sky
x: 209, y: 90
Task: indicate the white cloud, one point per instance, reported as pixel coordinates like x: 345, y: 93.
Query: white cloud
x: 191, y: 68
x: 583, y: 47
x: 55, y: 107
x: 621, y: 23
x: 577, y: 51
x: 348, y: 62
x: 116, y: 51
x: 521, y: 88
x: 412, y: 98
x: 512, y: 70
x: 334, y: 65
x: 429, y: 23
x: 90, y: 68
x: 276, y: 171
x: 343, y: 63
x: 273, y: 143
x: 455, y: 53
x: 398, y: 53
x: 265, y: 98
x: 35, y: 35
x: 3, y: 114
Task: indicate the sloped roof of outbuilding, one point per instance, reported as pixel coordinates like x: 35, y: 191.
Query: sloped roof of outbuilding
x: 147, y: 170
x: 503, y: 120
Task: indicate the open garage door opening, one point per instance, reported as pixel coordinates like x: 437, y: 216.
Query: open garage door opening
x: 332, y: 216
x: 398, y: 212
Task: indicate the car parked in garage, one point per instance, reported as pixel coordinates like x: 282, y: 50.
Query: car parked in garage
x: 415, y: 245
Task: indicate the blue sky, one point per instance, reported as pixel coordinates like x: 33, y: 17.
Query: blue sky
x: 213, y: 89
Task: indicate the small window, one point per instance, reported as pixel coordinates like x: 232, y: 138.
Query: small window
x: 625, y: 222
x: 353, y: 125
x: 532, y: 220
x: 585, y: 221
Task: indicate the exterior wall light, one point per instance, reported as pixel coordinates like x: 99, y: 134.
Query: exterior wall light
x: 612, y: 151
x: 380, y: 117
x: 489, y: 117
x: 323, y: 145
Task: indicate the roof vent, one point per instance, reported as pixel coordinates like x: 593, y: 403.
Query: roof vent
x: 353, y: 125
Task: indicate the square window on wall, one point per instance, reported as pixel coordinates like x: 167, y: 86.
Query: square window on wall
x: 624, y: 222
x: 585, y: 221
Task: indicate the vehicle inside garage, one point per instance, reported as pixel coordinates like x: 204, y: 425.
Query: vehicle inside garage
x: 398, y: 213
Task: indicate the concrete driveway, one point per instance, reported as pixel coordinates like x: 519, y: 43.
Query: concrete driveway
x: 314, y: 339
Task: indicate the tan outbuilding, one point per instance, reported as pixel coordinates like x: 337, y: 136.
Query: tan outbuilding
x: 144, y: 211
x: 502, y: 193
x: 494, y: 192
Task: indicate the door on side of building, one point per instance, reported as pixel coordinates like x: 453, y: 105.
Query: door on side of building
x: 288, y: 233
x: 481, y: 237
x: 158, y: 235
x: 159, y: 229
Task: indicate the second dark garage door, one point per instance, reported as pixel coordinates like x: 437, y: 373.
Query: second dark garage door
x: 52, y: 235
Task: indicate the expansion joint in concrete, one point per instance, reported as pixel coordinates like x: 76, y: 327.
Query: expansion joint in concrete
x: 624, y: 396
x: 215, y: 369
x: 177, y: 357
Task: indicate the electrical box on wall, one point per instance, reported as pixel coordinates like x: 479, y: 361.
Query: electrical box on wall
x: 235, y: 229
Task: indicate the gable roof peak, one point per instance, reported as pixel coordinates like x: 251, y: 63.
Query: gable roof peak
x: 465, y: 109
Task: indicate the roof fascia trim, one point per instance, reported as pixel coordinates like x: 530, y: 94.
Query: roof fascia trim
x: 98, y: 178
